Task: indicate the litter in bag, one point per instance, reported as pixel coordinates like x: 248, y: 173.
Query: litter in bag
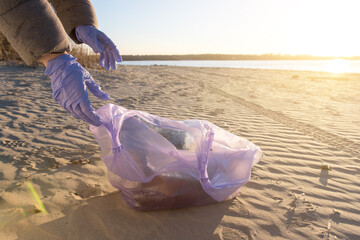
x: 159, y: 163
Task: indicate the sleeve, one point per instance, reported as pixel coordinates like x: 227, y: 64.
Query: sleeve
x: 74, y: 13
x: 32, y: 28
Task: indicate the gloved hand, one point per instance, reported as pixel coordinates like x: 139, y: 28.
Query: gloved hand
x: 68, y: 82
x: 100, y: 43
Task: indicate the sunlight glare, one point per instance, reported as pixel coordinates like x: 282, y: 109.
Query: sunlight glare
x: 337, y: 66
x: 40, y: 204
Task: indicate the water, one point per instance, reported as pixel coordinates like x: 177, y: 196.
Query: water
x: 335, y: 66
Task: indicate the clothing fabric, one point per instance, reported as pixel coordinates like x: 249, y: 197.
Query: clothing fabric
x: 34, y: 29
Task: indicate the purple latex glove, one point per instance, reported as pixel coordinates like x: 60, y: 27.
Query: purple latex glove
x: 100, y: 43
x: 68, y: 82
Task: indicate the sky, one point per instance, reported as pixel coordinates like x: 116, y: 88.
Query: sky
x: 315, y: 27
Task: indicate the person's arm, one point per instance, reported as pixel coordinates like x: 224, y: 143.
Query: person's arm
x: 74, y: 13
x: 32, y: 28
x: 36, y: 33
x: 47, y: 57
x: 79, y: 20
x: 69, y: 89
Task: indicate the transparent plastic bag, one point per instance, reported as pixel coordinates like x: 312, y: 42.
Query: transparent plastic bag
x: 159, y: 163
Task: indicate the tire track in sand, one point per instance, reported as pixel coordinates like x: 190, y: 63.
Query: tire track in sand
x: 320, y: 135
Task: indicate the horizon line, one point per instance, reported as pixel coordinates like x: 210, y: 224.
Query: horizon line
x: 220, y: 56
x: 240, y: 54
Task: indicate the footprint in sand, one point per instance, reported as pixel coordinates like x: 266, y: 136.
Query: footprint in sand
x: 127, y: 102
x: 14, y: 143
x: 217, y: 111
x: 70, y: 127
x: 85, y: 190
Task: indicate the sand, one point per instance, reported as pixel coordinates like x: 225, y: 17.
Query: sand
x: 305, y: 187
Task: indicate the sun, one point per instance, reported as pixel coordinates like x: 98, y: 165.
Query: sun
x: 337, y: 66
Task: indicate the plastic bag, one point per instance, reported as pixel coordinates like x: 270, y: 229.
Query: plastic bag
x: 159, y: 163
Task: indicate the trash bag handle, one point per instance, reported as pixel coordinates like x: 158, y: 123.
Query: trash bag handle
x: 203, y: 153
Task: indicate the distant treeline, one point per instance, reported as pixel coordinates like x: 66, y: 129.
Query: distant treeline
x: 230, y: 57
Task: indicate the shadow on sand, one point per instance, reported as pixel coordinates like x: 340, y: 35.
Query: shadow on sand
x: 108, y: 217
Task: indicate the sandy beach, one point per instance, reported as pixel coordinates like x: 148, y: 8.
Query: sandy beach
x: 305, y: 187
